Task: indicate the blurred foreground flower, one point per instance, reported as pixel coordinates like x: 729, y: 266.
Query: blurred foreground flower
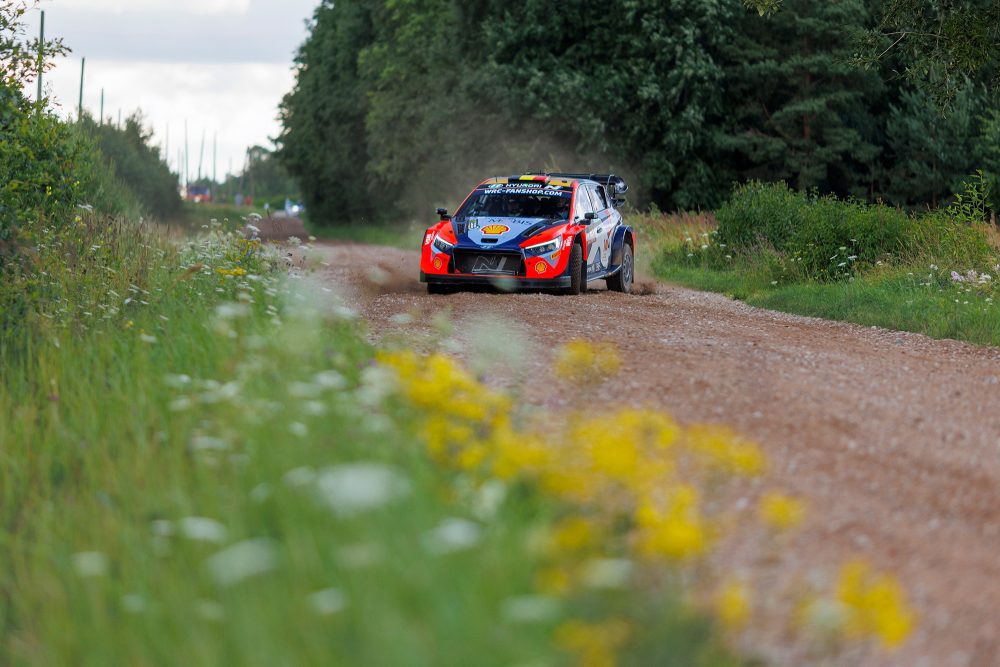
x: 242, y: 561
x: 732, y: 604
x: 781, y: 512
x: 580, y: 361
x: 354, y: 488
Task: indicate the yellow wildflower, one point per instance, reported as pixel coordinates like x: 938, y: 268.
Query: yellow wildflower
x: 676, y: 533
x: 732, y: 604
x: 574, y: 534
x: 781, y: 512
x: 553, y: 581
x: 579, y: 360
x: 875, y: 603
x: 720, y: 447
x: 593, y: 644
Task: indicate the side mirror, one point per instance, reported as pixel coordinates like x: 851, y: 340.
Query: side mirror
x: 443, y: 213
x: 590, y: 217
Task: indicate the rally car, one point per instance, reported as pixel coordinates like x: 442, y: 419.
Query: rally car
x: 533, y: 231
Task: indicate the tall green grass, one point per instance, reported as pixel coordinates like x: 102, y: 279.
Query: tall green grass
x: 180, y: 484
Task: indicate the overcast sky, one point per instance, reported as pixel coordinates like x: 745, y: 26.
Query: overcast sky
x: 223, y: 65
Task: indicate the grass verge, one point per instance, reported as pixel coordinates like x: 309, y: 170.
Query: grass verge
x: 202, y: 464
x: 934, y: 273
x: 395, y: 235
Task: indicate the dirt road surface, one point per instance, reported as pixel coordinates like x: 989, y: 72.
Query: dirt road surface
x: 893, y: 438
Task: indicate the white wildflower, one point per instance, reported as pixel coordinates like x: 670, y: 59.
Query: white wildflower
x: 90, y: 563
x: 301, y: 476
x: 330, y: 380
x: 451, y: 535
x: 241, y: 561
x: 208, y: 443
x: 607, y: 572
x: 202, y: 529
x: 327, y: 601
x: 353, y: 488
x: 232, y: 310
x: 133, y: 603
x: 530, y: 609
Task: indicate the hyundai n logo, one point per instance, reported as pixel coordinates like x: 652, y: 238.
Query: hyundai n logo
x: 491, y: 264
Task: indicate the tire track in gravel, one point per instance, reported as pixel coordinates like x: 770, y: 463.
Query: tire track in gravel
x: 893, y: 438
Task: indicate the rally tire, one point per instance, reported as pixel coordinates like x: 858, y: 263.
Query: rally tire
x: 576, y: 268
x: 622, y: 281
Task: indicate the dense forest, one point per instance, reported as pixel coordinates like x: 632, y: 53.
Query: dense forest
x: 405, y: 103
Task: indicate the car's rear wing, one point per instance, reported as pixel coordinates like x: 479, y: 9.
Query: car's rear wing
x: 616, y: 185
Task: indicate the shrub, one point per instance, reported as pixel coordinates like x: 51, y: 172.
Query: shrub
x: 834, y: 236
x: 828, y: 238
x: 758, y: 212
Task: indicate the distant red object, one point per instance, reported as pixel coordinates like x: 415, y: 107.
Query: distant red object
x: 199, y: 193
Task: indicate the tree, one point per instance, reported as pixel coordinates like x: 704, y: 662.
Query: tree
x: 632, y: 83
x: 800, y: 113
x: 941, y: 42
x: 323, y: 141
x: 989, y: 149
x: 929, y: 155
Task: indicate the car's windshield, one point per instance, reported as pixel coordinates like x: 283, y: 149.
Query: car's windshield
x: 507, y: 205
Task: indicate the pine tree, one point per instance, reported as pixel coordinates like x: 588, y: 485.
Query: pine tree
x: 800, y: 113
x: 930, y: 153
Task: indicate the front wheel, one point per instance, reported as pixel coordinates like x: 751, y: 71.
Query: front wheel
x: 622, y: 281
x: 576, y: 269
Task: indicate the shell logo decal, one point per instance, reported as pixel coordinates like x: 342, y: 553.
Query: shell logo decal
x: 438, y: 263
x: 540, y: 267
x: 495, y: 229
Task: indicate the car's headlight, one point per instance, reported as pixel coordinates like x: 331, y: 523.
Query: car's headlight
x: 442, y: 245
x: 542, y: 248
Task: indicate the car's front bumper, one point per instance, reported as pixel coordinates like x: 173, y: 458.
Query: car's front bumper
x: 501, y: 281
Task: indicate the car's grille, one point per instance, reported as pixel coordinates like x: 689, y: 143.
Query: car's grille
x: 489, y: 263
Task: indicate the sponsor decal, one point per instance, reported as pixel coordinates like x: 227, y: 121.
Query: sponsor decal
x: 541, y: 267
x: 568, y: 241
x: 438, y: 263
x: 495, y: 229
x: 473, y: 224
x: 522, y: 188
x: 428, y: 238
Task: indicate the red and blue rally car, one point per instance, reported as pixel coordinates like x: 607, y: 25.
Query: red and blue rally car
x: 536, y: 231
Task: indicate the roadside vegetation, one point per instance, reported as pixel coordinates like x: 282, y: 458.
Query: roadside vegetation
x: 931, y: 272
x: 205, y: 461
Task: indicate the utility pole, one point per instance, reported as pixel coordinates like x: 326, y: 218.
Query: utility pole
x: 201, y: 153
x: 185, y: 151
x: 215, y: 146
x: 79, y: 105
x: 101, y: 121
x: 41, y: 56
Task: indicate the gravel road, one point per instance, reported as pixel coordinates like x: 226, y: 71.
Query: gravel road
x: 892, y: 438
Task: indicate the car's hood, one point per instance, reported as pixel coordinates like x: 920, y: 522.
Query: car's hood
x: 509, y: 232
